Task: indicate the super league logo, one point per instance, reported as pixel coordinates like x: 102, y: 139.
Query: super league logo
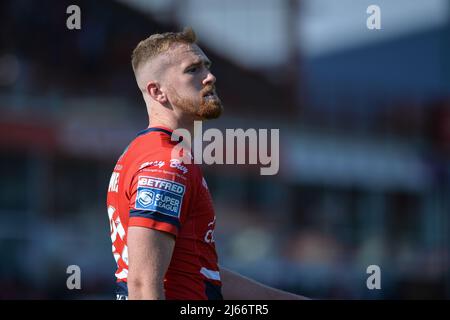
x: 145, y: 197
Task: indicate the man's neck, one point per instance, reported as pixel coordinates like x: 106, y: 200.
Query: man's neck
x: 171, y: 122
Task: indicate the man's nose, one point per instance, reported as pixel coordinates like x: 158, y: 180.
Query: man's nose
x: 210, y: 79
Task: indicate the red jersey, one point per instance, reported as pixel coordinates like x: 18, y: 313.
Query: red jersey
x: 149, y: 188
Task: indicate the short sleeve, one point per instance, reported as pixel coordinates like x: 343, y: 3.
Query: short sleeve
x: 159, y: 198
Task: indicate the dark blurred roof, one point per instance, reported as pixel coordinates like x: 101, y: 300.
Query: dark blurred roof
x: 96, y: 59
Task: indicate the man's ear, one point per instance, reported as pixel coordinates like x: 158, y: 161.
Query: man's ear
x: 154, y: 91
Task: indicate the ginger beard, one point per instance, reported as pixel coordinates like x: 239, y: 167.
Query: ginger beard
x: 210, y: 107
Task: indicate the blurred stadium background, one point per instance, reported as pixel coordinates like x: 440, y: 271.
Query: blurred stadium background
x: 364, y: 119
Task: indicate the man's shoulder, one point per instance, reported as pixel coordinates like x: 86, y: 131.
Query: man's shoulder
x: 154, y: 153
x: 151, y: 145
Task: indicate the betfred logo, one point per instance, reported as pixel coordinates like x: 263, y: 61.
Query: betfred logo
x: 161, y: 184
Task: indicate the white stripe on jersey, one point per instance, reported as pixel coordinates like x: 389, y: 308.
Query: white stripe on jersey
x: 210, y: 274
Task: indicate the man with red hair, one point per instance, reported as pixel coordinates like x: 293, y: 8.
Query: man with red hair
x: 160, y: 209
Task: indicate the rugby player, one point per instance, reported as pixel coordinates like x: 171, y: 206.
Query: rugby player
x: 161, y: 213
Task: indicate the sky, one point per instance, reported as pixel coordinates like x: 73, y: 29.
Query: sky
x: 254, y: 32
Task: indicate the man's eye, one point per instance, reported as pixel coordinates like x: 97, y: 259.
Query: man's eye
x: 192, y: 70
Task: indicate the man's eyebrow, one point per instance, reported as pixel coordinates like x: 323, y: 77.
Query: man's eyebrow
x: 199, y: 62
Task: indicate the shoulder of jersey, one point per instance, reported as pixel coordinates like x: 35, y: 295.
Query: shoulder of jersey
x: 157, y: 148
x: 152, y: 143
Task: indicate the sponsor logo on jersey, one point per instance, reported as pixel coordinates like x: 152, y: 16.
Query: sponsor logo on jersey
x: 159, y: 195
x: 114, y: 182
x: 209, y: 236
x: 205, y: 185
x: 145, y: 197
x: 156, y: 163
x: 177, y: 164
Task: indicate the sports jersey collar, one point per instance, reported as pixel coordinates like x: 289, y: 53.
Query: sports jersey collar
x: 156, y: 128
x: 166, y: 130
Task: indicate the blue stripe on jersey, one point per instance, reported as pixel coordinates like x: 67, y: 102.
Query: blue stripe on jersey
x: 153, y: 129
x: 179, y: 139
x: 212, y: 291
x: 121, y: 289
x: 155, y: 216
